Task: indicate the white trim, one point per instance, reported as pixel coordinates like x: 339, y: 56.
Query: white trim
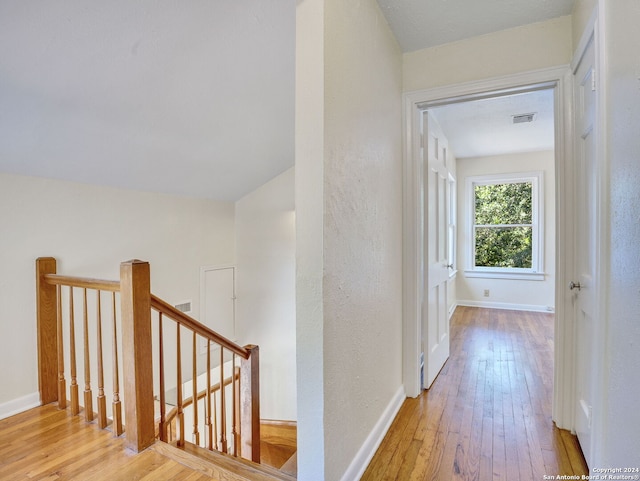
x: 452, y: 309
x: 21, y: 404
x: 519, y: 275
x: 603, y: 239
x: 559, y: 78
x: 506, y: 305
x: 362, y: 459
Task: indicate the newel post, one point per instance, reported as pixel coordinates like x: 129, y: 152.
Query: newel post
x: 250, y: 405
x: 46, y: 308
x: 135, y: 297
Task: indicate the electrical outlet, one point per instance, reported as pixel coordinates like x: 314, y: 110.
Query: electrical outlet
x: 486, y: 293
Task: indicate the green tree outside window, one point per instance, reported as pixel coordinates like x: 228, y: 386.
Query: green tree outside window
x: 503, y: 225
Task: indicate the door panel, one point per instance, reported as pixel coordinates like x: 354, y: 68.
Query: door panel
x: 218, y: 301
x: 435, y: 310
x: 585, y: 175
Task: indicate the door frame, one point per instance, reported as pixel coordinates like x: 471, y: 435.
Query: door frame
x: 559, y: 78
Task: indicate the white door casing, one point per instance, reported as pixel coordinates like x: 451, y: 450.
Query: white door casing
x: 435, y: 316
x: 415, y: 103
x: 585, y: 285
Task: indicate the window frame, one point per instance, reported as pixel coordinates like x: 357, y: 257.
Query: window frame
x: 537, y: 222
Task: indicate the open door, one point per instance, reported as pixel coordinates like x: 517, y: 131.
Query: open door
x: 435, y: 312
x: 584, y: 285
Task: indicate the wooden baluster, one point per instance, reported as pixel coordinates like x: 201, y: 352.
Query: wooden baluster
x: 234, y: 411
x: 116, y: 405
x: 102, y: 399
x: 162, y: 427
x: 223, y: 411
x: 180, y: 414
x: 250, y: 404
x: 194, y: 383
x: 215, y: 424
x: 209, y: 430
x: 62, y: 384
x: 88, y: 396
x: 46, y: 298
x: 75, y: 404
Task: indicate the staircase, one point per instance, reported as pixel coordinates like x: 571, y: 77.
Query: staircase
x: 154, y: 351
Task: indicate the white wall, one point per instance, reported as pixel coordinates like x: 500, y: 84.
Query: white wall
x: 265, y: 290
x: 90, y: 230
x: 520, y: 49
x: 349, y: 212
x: 507, y: 293
x: 622, y: 255
x: 309, y: 201
x: 362, y: 228
x: 582, y: 11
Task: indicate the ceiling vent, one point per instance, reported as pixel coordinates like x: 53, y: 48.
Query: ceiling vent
x: 523, y: 118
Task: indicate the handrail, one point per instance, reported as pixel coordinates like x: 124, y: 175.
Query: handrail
x: 137, y: 306
x: 170, y: 416
x: 86, y: 282
x: 214, y: 388
x: 195, y: 326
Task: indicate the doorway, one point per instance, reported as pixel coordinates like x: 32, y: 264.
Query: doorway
x: 556, y: 81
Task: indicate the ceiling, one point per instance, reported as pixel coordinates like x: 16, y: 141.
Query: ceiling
x: 420, y: 24
x: 192, y: 101
x: 148, y: 95
x: 485, y: 127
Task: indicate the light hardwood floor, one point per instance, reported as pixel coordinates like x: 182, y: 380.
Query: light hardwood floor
x: 49, y: 444
x: 488, y: 414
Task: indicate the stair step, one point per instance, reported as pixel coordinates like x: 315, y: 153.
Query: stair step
x: 219, y: 465
x: 290, y: 467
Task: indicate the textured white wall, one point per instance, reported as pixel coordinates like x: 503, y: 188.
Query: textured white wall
x: 622, y: 417
x: 509, y: 291
x: 265, y: 290
x: 90, y: 230
x: 362, y: 227
x: 530, y: 47
x: 309, y: 195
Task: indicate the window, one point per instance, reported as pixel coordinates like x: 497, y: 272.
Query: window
x: 505, y: 226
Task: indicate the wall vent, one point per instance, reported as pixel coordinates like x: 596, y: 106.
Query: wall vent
x: 523, y: 118
x: 184, y: 307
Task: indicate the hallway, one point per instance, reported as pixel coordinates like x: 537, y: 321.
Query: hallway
x: 488, y: 414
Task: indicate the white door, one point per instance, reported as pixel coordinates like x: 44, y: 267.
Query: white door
x: 217, y: 300
x: 435, y: 318
x: 584, y: 285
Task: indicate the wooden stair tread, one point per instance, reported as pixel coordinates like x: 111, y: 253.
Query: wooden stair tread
x: 290, y: 467
x: 219, y: 465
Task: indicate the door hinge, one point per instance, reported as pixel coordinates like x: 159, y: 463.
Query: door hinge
x: 593, y: 80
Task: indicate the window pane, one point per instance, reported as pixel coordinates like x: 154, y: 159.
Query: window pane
x: 504, y: 247
x: 508, y: 203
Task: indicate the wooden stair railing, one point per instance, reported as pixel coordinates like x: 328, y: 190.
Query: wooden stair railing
x: 234, y: 368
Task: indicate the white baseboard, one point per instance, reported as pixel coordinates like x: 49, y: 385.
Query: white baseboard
x: 362, y: 459
x: 506, y: 305
x: 19, y: 405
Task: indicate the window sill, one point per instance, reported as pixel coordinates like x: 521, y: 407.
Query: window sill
x: 523, y: 276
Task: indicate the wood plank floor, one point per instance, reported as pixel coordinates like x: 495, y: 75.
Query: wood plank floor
x: 488, y: 414
x: 49, y: 444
